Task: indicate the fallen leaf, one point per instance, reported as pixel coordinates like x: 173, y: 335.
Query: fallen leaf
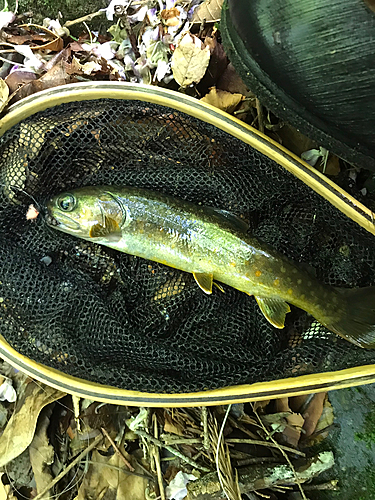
x: 105, y: 479
x: 171, y: 426
x: 41, y: 456
x: 313, y: 413
x: 222, y: 99
x: 261, y: 404
x: 4, y: 94
x: 19, y: 77
x: 170, y: 17
x: 332, y: 167
x: 209, y: 12
x: 5, y: 491
x: 54, y: 77
x: 20, y: 429
x: 190, y: 60
x: 326, y: 418
x: 291, y: 431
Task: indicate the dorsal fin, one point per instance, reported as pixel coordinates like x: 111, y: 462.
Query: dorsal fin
x: 233, y: 220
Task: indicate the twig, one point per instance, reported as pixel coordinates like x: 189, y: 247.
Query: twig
x: 153, y: 440
x: 70, y: 466
x: 118, y: 452
x: 157, y: 459
x: 283, y: 453
x: 242, y: 428
x: 260, y: 116
x: 228, y: 487
x: 331, y: 485
x: 122, y: 14
x: 266, y: 443
x: 171, y: 440
x: 87, y: 18
x: 256, y: 460
x: 206, y: 437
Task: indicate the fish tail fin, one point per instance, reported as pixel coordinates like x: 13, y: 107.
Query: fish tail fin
x: 357, y: 321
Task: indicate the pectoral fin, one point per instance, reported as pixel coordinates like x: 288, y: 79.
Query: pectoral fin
x: 110, y: 230
x: 204, y: 281
x: 274, y: 310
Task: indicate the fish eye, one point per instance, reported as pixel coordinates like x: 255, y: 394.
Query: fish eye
x: 66, y: 203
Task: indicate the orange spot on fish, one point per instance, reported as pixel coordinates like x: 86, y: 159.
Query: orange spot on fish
x: 276, y: 282
x: 258, y: 273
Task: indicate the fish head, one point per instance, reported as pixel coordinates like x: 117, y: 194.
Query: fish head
x: 89, y: 213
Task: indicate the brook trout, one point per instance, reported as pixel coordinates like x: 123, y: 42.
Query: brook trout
x: 212, y: 245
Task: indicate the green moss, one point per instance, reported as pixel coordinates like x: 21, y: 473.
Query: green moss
x: 70, y: 9
x: 368, y: 434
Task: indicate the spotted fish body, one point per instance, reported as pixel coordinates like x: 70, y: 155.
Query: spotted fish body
x: 212, y: 245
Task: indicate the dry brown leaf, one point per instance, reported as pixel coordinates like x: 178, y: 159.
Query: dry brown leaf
x: 41, y: 456
x: 20, y: 429
x: 189, y: 60
x: 261, y: 404
x: 170, y: 17
x: 105, y: 479
x: 222, y: 99
x: 313, y: 413
x: 172, y: 426
x: 18, y: 78
x: 332, y: 166
x: 294, y: 423
x: 326, y: 418
x: 209, y: 11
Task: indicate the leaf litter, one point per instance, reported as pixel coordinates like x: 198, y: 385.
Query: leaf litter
x: 52, y: 445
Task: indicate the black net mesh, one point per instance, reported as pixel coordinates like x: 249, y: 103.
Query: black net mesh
x: 116, y: 319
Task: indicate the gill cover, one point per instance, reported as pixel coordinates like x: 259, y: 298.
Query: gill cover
x: 113, y: 217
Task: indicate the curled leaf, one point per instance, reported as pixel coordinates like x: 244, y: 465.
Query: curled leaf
x: 222, y: 99
x: 209, y: 12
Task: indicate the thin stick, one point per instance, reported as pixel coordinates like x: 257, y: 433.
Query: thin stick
x: 260, y: 116
x: 266, y: 443
x: 169, y: 440
x: 70, y: 467
x: 153, y: 440
x: 128, y: 465
x: 157, y: 459
x: 131, y: 36
x: 218, y: 450
x: 87, y: 18
x: 284, y: 454
x: 206, y: 437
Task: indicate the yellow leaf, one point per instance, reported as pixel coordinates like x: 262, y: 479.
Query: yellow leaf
x: 222, y: 99
x: 209, y: 11
x: 4, y: 94
x: 189, y: 60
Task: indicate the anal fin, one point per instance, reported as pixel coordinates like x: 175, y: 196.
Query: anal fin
x: 204, y: 281
x: 274, y: 310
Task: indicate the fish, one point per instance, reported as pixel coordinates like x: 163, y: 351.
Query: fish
x: 214, y: 246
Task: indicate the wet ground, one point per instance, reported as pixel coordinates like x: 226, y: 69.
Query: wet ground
x: 353, y: 442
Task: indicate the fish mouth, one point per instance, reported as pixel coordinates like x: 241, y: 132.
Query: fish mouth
x: 62, y: 222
